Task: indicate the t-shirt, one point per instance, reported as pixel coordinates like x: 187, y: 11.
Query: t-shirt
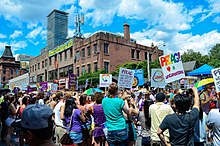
x: 76, y: 121
x: 204, y: 97
x: 181, y: 127
x: 57, y: 119
x: 113, y: 112
x: 214, y: 123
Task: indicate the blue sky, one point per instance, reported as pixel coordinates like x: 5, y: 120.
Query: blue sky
x: 181, y: 25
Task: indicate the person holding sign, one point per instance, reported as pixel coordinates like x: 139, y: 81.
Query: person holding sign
x: 113, y: 107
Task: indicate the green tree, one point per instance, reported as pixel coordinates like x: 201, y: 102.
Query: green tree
x: 214, y: 55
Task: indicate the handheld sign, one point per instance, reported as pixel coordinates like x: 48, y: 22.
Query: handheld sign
x: 105, y: 80
x: 172, y: 67
x: 157, y: 78
x: 126, y: 78
x: 216, y: 77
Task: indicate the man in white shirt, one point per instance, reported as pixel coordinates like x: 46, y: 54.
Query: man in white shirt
x: 60, y: 128
x: 157, y: 113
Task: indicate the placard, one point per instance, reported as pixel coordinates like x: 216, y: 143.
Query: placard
x: 172, y: 67
x: 216, y: 77
x: 138, y: 77
x: 157, y: 78
x: 105, y: 80
x: 43, y: 86
x: 126, y: 78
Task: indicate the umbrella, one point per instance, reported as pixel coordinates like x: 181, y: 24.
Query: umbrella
x: 203, y: 82
x: 91, y: 91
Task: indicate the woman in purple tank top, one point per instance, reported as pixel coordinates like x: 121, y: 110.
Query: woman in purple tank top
x: 99, y: 120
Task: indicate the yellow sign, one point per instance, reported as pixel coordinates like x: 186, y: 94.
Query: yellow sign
x: 61, y: 48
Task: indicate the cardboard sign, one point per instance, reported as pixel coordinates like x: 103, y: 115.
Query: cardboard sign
x: 216, y: 77
x: 105, y: 80
x: 138, y: 77
x: 172, y: 67
x: 157, y: 78
x: 126, y: 78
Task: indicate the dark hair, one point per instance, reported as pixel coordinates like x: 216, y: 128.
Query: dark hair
x: 40, y: 95
x: 44, y: 133
x: 33, y: 100
x: 113, y: 89
x: 160, y: 97
x: 98, y: 97
x: 58, y: 95
x: 70, y: 104
x: 82, y: 99
x: 182, y: 102
x: 11, y: 98
x: 25, y: 99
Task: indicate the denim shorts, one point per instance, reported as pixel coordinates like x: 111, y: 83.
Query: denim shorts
x: 76, y: 137
x: 118, y: 137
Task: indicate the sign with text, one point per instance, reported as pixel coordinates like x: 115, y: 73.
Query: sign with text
x: 172, y: 67
x: 138, y: 77
x: 157, y: 78
x: 105, y: 80
x: 126, y: 78
x: 216, y: 77
x: 43, y: 86
x: 61, y: 48
x: 54, y: 87
x: 72, y: 81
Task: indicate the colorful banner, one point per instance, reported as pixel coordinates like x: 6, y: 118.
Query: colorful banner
x: 216, y: 77
x: 43, y: 86
x: 126, y: 78
x: 172, y: 67
x: 54, y: 88
x: 105, y: 80
x: 138, y: 77
x: 157, y: 78
x: 72, y: 81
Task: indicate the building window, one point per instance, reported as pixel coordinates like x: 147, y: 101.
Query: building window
x: 65, y: 55
x: 60, y: 57
x: 132, y: 53
x: 145, y: 54
x: 55, y: 58
x: 138, y: 54
x: 89, y: 68
x: 45, y: 62
x: 77, y: 55
x: 150, y: 57
x: 106, y: 65
x: 30, y: 68
x: 105, y: 48
x: 88, y: 51
x: 83, y: 53
x: 83, y: 69
x: 3, y: 79
x: 71, y: 52
x: 42, y: 64
x: 4, y: 71
x: 38, y: 65
x: 35, y: 67
x: 95, y: 66
x: 16, y: 71
x: 77, y: 71
x: 12, y: 71
x: 95, y: 48
x: 50, y: 61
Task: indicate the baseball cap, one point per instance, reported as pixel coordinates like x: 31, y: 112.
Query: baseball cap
x: 35, y: 116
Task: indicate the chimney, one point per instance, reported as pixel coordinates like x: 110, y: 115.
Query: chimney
x: 127, y: 31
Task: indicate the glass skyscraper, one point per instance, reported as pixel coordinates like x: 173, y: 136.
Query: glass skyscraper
x: 57, y: 28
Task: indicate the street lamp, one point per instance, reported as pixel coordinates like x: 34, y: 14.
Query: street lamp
x: 148, y: 58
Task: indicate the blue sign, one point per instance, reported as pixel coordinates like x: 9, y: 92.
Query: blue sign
x: 138, y: 77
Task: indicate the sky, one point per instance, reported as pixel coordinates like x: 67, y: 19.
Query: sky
x: 180, y: 24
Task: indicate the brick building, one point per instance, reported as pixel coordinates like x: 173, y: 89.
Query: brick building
x: 9, y: 68
x: 102, y: 50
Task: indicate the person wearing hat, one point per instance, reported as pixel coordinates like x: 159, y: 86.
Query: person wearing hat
x: 37, y: 125
x: 157, y: 113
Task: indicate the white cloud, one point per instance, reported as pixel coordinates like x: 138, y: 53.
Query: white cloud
x: 2, y: 47
x: 18, y: 45
x: 2, y: 36
x: 32, y: 25
x: 34, y: 33
x: 216, y: 20
x: 16, y: 34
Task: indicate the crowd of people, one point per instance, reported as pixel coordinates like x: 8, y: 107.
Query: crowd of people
x: 115, y: 118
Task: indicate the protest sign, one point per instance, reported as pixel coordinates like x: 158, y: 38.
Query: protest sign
x: 126, y: 78
x: 216, y: 77
x: 138, y: 77
x: 105, y: 80
x: 172, y: 67
x: 43, y: 86
x: 157, y: 78
x: 54, y: 88
x: 72, y: 81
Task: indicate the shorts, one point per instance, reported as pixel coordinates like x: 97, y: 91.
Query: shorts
x: 76, y: 137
